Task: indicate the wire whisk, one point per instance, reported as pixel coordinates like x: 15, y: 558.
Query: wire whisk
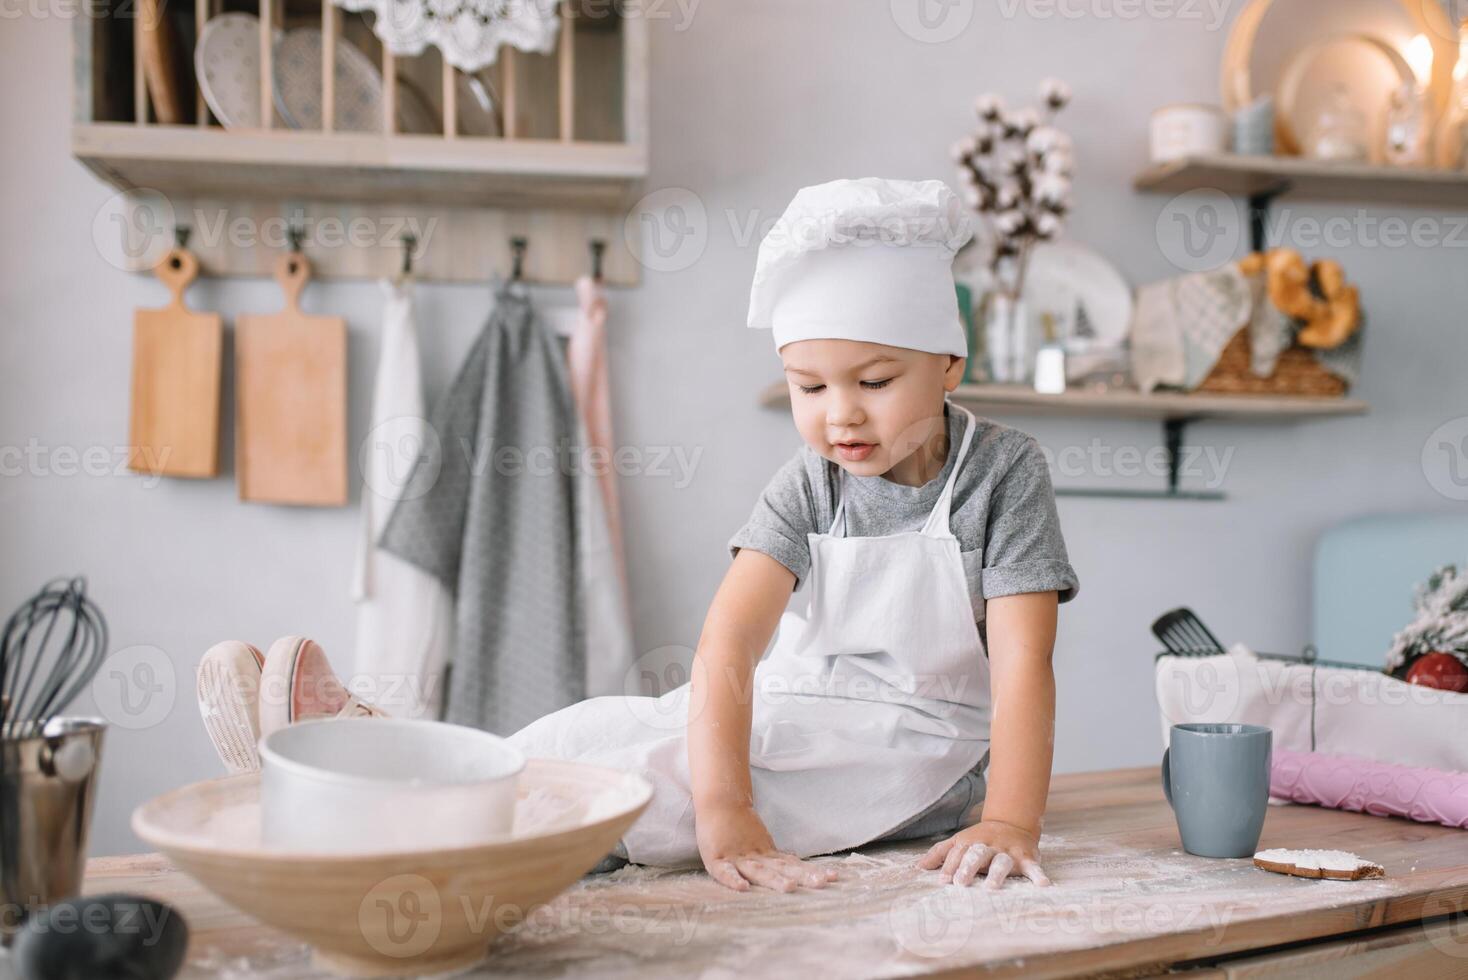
x: 51, y: 649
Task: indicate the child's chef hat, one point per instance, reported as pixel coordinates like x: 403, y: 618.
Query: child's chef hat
x: 867, y: 259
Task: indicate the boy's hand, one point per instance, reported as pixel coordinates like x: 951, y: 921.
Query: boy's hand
x: 999, y: 847
x: 738, y: 851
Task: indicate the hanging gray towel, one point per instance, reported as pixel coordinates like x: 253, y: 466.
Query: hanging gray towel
x: 490, y: 511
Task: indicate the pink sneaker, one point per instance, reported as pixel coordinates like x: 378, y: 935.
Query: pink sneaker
x: 297, y: 684
x: 228, y: 686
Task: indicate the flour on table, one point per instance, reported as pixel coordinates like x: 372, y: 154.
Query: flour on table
x: 540, y: 811
x: 890, y: 918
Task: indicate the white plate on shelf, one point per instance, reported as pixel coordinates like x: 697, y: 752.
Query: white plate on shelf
x: 1066, y: 278
x: 227, y: 65
x: 415, y: 112
x: 297, y: 68
x: 1063, y: 277
x: 475, y: 97
x: 1267, y: 36
x: 476, y: 109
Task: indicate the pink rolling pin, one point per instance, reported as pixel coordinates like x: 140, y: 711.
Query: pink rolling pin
x: 1347, y: 782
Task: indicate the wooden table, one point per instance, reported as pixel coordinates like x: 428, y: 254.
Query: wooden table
x: 1127, y: 900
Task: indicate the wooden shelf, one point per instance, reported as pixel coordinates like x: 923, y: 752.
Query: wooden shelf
x: 274, y: 165
x: 1025, y: 401
x: 568, y: 158
x: 1249, y: 176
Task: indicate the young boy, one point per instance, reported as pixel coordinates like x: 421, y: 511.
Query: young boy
x: 935, y: 563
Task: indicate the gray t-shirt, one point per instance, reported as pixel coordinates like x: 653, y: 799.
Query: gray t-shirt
x: 1003, y: 512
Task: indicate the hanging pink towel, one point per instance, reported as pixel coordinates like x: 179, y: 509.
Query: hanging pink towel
x: 587, y: 353
x: 610, y: 657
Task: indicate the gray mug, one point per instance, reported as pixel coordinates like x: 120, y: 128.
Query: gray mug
x: 1218, y: 786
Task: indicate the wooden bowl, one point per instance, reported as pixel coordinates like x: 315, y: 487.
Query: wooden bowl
x: 408, y: 912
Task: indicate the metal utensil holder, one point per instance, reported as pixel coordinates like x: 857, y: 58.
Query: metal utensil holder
x: 48, y: 781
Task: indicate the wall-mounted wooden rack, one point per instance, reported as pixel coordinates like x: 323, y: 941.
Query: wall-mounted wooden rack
x: 562, y: 163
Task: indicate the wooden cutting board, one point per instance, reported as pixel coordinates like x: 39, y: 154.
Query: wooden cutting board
x: 291, y: 400
x: 173, y: 428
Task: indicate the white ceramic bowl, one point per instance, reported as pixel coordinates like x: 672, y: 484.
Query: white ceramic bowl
x: 385, y: 784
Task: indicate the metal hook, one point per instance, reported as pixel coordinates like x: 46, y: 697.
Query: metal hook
x: 410, y: 243
x: 181, y: 236
x: 598, y: 246
x: 295, y: 234
x: 518, y: 245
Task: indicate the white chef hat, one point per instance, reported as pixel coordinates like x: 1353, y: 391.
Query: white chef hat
x: 867, y: 259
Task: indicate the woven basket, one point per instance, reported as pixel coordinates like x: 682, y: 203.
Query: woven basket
x: 1295, y: 373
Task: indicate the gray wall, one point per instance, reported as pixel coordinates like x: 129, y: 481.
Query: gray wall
x: 750, y: 101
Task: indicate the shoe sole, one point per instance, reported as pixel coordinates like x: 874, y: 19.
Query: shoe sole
x: 277, y: 683
x: 229, y: 704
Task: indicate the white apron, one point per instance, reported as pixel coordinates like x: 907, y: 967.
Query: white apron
x: 865, y: 712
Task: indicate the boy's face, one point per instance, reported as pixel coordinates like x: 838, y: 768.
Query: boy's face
x: 868, y: 407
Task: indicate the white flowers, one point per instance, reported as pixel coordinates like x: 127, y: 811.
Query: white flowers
x: 1054, y: 93
x: 1441, y: 624
x: 1016, y: 170
x: 1009, y: 222
x: 1052, y: 191
x: 989, y: 107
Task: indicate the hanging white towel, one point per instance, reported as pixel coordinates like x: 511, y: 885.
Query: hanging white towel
x: 404, y: 614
